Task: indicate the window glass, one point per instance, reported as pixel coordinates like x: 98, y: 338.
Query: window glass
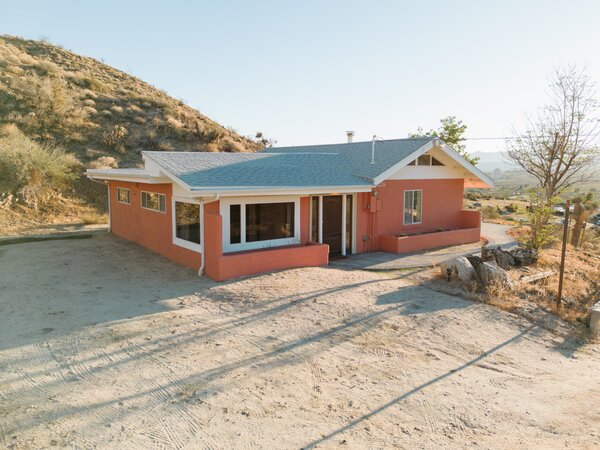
x: 424, y: 160
x: 267, y: 221
x: 314, y: 220
x: 235, y: 227
x: 413, y: 162
x: 187, y: 222
x: 123, y: 195
x: 435, y: 162
x: 412, y: 207
x: 154, y: 201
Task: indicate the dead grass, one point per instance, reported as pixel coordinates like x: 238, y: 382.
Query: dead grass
x: 21, y: 220
x: 56, y: 96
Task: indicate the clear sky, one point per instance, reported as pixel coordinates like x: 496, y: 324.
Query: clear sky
x: 304, y: 72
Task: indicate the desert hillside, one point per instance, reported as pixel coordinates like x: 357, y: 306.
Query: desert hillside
x: 94, y: 110
x: 100, y: 115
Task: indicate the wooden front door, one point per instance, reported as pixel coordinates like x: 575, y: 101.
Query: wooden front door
x: 332, y: 223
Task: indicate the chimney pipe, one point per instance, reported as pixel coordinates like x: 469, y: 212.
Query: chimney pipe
x: 350, y: 135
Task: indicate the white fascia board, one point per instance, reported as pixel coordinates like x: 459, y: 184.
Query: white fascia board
x: 134, y: 176
x: 424, y: 149
x: 403, y: 162
x: 467, y: 165
x: 291, y: 190
x: 172, y: 177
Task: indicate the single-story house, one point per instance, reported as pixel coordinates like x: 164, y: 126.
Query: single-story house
x: 233, y: 214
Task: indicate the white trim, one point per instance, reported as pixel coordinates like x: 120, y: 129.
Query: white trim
x: 404, y: 206
x: 344, y: 220
x: 182, y: 242
x: 467, y: 165
x: 320, y: 219
x: 152, y: 209
x: 228, y: 247
x: 354, y: 212
x: 110, y: 207
x: 128, y: 195
x: 424, y: 149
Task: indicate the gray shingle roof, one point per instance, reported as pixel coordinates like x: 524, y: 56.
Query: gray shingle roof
x: 202, y: 170
x: 358, y: 154
x: 315, y: 165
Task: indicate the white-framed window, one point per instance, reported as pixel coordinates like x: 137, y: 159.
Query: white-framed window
x: 260, y: 222
x: 187, y: 223
x: 413, y: 207
x: 124, y: 195
x: 154, y: 201
x: 425, y: 160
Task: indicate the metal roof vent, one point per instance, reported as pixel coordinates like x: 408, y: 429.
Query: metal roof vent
x: 350, y: 135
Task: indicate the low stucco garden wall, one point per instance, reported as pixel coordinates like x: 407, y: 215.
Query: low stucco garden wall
x: 469, y: 232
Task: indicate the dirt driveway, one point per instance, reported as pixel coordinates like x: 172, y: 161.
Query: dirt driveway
x: 103, y: 344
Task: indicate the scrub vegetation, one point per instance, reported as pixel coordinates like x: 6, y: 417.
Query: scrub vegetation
x: 75, y: 112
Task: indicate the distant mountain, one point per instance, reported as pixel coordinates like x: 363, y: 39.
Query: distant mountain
x: 490, y: 161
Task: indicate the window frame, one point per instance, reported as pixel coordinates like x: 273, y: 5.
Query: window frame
x: 228, y: 247
x: 128, y: 202
x: 404, y: 222
x: 199, y: 248
x: 152, y: 209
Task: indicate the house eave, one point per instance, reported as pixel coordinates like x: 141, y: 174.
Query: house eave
x: 244, y: 191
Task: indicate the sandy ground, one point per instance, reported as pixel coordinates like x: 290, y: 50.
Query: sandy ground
x: 103, y: 344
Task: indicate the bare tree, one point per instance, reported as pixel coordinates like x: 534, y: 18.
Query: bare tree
x: 561, y: 143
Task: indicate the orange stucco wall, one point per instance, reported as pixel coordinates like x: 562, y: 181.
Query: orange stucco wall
x: 150, y: 229
x: 381, y: 214
x: 379, y: 220
x: 221, y: 266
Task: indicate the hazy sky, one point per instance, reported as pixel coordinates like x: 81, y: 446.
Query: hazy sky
x: 304, y: 72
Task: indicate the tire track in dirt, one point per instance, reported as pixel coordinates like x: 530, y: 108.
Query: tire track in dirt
x: 425, y: 407
x: 172, y: 434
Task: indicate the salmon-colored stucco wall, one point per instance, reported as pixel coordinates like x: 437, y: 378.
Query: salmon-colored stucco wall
x: 153, y: 230
x: 382, y: 214
x: 150, y: 229
x: 221, y: 266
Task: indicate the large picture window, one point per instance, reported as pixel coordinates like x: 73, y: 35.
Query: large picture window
x: 269, y: 221
x: 154, y: 201
x: 187, y: 222
x: 260, y: 222
x: 413, y: 207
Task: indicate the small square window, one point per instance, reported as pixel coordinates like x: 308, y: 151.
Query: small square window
x: 154, y: 201
x: 124, y: 196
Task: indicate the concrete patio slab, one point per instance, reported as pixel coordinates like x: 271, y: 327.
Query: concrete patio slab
x: 495, y: 234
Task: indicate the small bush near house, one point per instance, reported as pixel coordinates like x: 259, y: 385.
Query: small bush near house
x: 33, y: 172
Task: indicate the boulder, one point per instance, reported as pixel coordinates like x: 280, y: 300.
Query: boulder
x: 524, y: 256
x: 489, y: 273
x: 504, y: 259
x: 459, y: 268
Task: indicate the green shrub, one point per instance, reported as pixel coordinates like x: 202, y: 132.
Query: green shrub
x: 32, y: 172
x: 490, y: 212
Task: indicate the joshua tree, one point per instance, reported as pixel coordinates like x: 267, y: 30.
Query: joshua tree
x: 583, y: 207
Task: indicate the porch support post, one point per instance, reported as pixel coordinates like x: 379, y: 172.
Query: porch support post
x: 344, y: 196
x: 320, y: 219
